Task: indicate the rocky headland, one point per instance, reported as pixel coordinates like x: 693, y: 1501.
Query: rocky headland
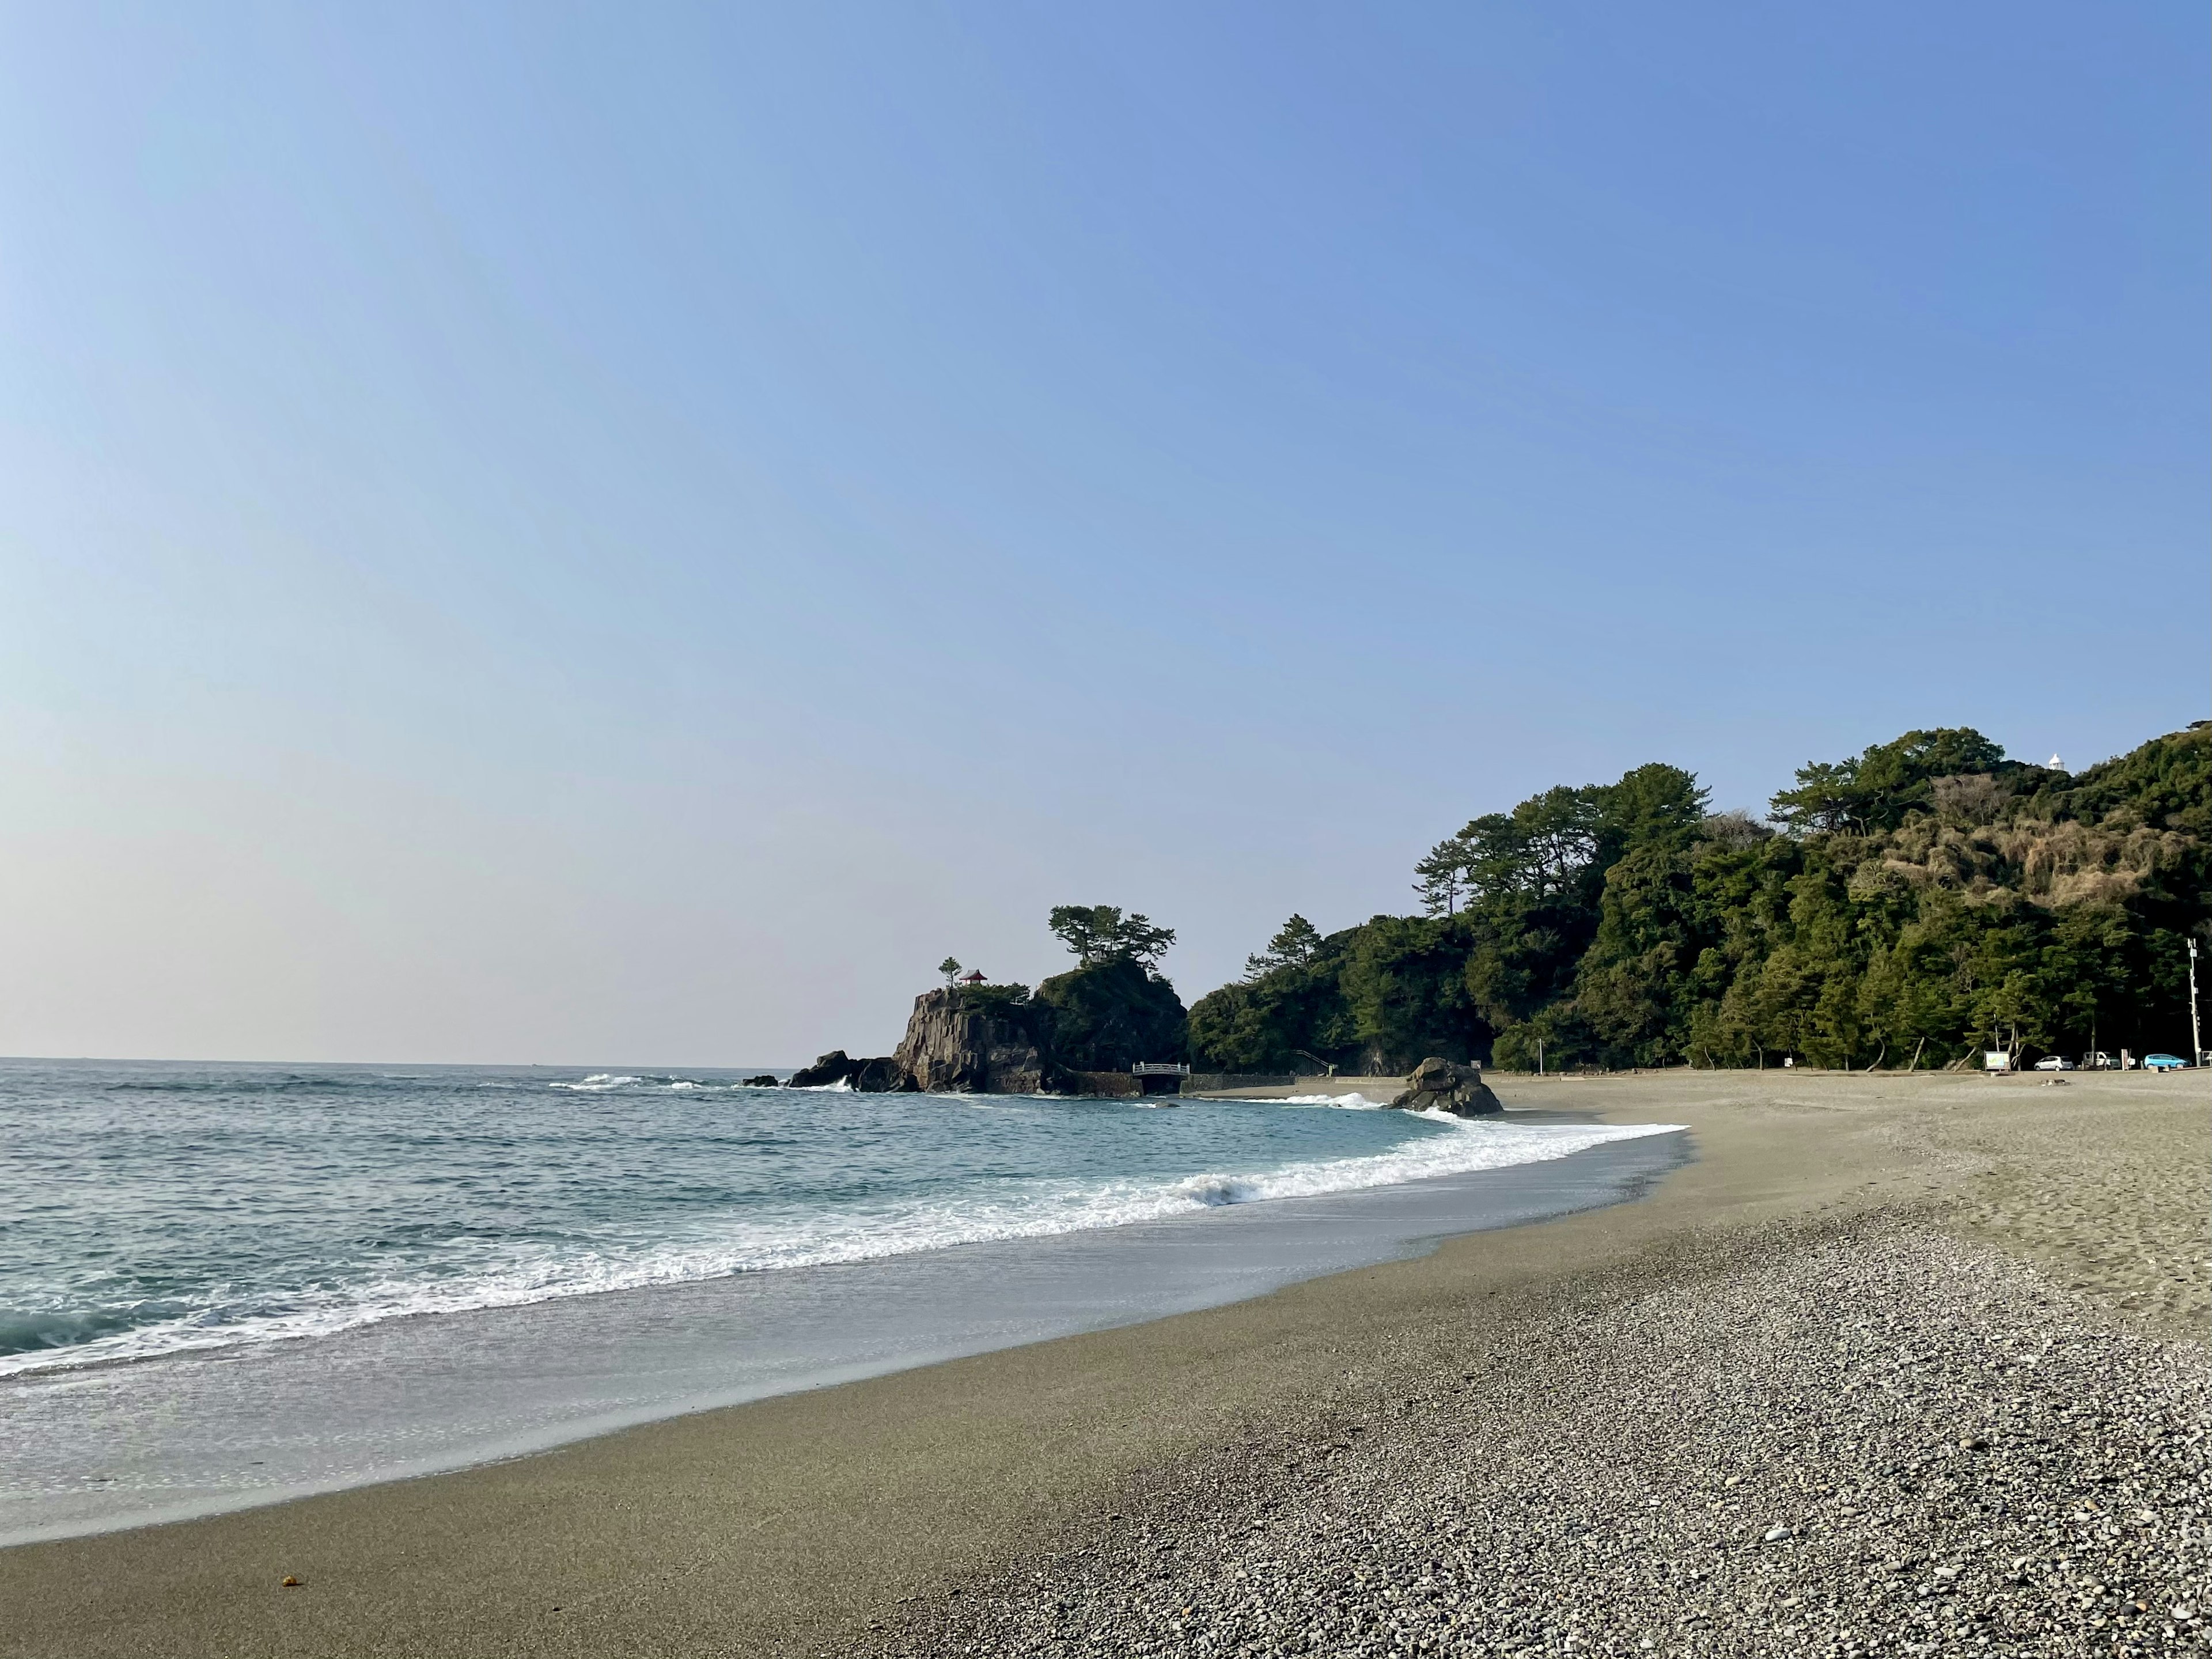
x: 964, y: 1039
x: 1077, y: 1033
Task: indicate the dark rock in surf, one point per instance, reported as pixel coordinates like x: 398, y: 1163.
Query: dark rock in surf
x: 1445, y: 1085
x: 881, y: 1076
x: 832, y: 1067
x: 765, y: 1080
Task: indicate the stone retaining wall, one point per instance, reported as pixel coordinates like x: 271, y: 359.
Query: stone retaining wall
x: 1209, y: 1082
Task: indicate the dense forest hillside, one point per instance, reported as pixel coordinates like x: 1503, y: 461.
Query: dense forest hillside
x: 1899, y: 908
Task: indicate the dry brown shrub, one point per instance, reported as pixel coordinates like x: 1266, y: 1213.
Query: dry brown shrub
x: 1926, y: 854
x: 1971, y: 798
x: 2053, y: 864
x: 2072, y: 863
x: 1734, y: 830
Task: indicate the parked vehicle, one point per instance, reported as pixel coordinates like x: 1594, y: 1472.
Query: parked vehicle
x: 2164, y: 1063
x: 2056, y: 1063
x: 2098, y: 1061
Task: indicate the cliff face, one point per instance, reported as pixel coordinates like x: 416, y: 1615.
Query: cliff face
x: 959, y: 1042
x: 998, y: 1040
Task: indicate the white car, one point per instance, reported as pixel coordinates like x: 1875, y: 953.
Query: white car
x: 2056, y: 1063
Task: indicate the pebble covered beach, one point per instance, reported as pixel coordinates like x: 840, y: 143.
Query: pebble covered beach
x: 1883, y: 1440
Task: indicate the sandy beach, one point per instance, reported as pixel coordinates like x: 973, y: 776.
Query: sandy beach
x: 1898, y: 1364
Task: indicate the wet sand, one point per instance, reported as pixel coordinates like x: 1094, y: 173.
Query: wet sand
x: 868, y: 1515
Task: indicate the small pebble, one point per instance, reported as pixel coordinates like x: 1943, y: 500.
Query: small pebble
x: 1528, y: 1525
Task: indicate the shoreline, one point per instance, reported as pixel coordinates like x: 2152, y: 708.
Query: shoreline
x: 58, y: 1361
x: 859, y: 1517
x: 441, y: 1392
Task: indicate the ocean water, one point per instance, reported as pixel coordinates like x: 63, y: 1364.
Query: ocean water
x: 227, y: 1284
x: 150, y: 1209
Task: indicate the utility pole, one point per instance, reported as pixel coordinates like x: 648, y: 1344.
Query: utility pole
x: 2196, y: 1036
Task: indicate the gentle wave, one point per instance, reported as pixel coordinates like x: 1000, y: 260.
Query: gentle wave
x: 514, y: 1273
x: 275, y: 1084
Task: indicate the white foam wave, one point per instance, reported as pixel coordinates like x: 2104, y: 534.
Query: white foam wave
x: 1351, y: 1103
x: 511, y: 1273
x: 604, y: 1082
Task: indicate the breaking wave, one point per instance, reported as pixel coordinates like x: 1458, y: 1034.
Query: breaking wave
x: 453, y: 1212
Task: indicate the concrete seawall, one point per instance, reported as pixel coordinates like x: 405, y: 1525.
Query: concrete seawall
x: 1375, y: 1088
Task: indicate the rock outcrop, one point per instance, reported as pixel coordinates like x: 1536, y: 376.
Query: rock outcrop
x: 981, y: 1040
x: 1000, y: 1040
x: 881, y: 1076
x: 1445, y: 1085
x: 765, y: 1080
x: 832, y: 1067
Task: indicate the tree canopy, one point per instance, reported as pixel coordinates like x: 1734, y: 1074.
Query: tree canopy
x: 1552, y: 845
x: 1919, y: 895
x: 1876, y: 791
x: 1296, y: 942
x: 1109, y: 1014
x: 1100, y: 932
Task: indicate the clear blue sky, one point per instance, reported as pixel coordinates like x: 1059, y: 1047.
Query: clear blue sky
x: 626, y: 533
